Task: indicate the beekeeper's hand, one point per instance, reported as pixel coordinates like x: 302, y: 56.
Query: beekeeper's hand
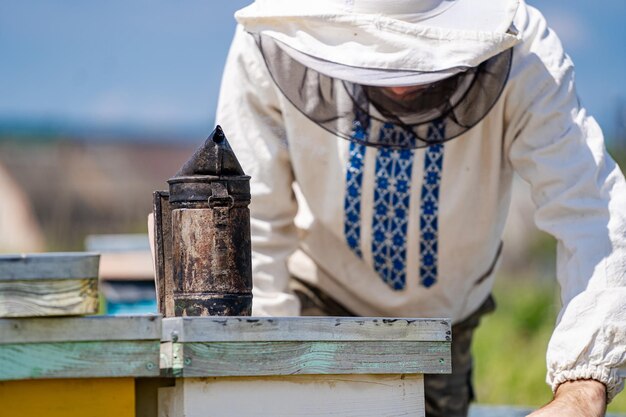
x: 582, y: 398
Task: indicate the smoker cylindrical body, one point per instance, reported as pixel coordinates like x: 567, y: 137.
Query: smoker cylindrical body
x: 211, y: 245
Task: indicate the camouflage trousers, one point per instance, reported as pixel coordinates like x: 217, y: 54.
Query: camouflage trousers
x: 446, y: 395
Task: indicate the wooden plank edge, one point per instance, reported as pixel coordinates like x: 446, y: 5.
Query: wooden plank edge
x: 266, y: 329
x: 77, y: 329
x: 50, y: 265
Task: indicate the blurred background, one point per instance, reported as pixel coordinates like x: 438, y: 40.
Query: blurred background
x: 101, y: 102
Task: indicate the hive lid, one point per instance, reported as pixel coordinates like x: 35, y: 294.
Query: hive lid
x: 214, y: 157
x: 60, y: 265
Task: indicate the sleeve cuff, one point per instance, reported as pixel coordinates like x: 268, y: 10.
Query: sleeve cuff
x: 609, y: 377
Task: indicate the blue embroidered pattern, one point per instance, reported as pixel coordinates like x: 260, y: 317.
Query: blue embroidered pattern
x: 392, y: 200
x: 393, y: 135
x: 429, y: 225
x: 391, y: 207
x: 354, y: 180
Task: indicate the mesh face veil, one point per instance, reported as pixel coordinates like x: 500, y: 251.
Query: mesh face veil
x: 460, y: 101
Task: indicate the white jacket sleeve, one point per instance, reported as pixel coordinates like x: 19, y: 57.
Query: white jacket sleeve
x: 580, y: 196
x: 250, y: 114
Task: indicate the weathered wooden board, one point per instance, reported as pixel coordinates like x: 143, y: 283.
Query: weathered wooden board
x: 79, y: 360
x: 58, y: 265
x: 80, y: 329
x: 48, y: 284
x: 197, y: 359
x: 295, y: 396
x: 68, y: 398
x: 252, y: 346
x: 318, y: 329
x: 59, y: 297
x: 79, y: 347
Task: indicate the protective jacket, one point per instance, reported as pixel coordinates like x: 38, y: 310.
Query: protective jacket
x: 417, y: 233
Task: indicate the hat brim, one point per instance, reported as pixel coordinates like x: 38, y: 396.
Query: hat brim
x: 369, y: 76
x: 461, y: 35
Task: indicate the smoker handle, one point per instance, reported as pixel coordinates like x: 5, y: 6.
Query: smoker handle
x: 162, y: 243
x: 219, y: 196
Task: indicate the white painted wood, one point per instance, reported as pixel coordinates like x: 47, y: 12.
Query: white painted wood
x: 319, y: 329
x: 295, y: 396
x: 76, y: 329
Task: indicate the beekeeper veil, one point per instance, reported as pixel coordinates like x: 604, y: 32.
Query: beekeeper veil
x: 338, y: 61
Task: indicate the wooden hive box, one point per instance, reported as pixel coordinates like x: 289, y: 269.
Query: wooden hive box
x: 48, y: 284
x: 76, y: 366
x: 300, y: 366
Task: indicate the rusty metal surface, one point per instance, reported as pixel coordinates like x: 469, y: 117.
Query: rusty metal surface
x: 207, y: 228
x: 210, y: 304
x: 205, y: 251
x: 216, y: 157
x: 186, y: 192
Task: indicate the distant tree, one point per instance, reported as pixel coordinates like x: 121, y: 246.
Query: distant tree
x: 617, y: 144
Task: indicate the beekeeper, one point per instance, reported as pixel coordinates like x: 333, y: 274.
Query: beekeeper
x: 393, y: 128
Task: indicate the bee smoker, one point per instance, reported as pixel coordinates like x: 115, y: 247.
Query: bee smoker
x: 202, y: 236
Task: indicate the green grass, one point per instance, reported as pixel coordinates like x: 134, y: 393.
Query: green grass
x: 509, y: 346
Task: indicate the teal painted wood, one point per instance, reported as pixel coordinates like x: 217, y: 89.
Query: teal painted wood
x: 79, y: 360
x: 309, y: 357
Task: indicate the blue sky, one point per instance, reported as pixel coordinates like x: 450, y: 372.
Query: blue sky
x: 157, y: 63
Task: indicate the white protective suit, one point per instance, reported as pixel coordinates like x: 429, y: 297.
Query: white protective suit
x: 417, y: 233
